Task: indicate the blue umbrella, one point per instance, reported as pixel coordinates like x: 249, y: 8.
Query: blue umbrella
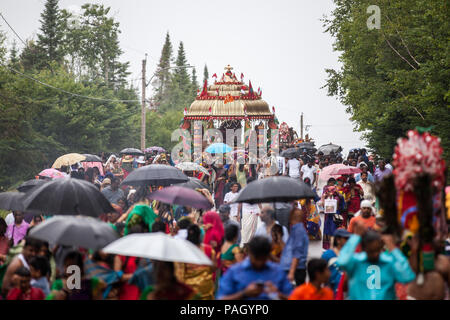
x: 218, y: 148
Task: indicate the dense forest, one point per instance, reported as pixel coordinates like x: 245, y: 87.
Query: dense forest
x: 395, y: 77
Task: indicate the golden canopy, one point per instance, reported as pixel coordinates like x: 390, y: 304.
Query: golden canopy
x: 228, y: 98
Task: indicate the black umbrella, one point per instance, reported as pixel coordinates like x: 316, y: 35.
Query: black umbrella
x: 275, y: 189
x: 85, y: 232
x: 12, y: 201
x: 291, y: 153
x: 67, y: 196
x: 194, y: 183
x: 306, y: 145
x: 155, y: 175
x: 132, y: 152
x: 91, y: 158
x: 31, y: 184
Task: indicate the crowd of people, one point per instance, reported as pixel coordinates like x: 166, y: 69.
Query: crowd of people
x: 259, y: 251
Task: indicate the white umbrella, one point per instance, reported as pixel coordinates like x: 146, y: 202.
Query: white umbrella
x: 191, y: 166
x: 158, y: 246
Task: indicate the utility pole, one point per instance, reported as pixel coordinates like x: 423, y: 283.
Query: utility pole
x: 144, y: 62
x: 301, y: 126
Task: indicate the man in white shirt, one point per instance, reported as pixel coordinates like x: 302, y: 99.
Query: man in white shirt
x: 229, y: 198
x: 268, y: 221
x: 293, y: 166
x: 309, y: 171
x: 367, y: 186
x: 281, y: 162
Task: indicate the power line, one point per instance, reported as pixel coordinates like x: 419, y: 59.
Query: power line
x: 65, y: 91
x: 13, y: 29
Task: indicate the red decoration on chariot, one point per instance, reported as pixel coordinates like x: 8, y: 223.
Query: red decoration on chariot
x: 251, y: 93
x: 214, y: 76
x: 205, y: 89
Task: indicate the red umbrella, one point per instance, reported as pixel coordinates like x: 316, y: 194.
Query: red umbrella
x: 181, y: 196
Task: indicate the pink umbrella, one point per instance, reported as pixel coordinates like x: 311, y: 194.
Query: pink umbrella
x: 52, y: 173
x: 337, y: 170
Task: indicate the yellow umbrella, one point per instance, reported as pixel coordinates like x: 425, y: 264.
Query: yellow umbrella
x: 68, y: 160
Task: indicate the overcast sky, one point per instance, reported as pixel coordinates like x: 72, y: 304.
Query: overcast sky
x: 279, y: 45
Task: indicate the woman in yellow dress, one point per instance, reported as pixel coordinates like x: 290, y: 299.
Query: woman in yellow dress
x: 198, y: 277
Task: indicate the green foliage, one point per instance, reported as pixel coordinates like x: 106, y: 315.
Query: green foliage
x: 51, y: 38
x: 39, y: 123
x: 160, y: 127
x: 175, y: 92
x: 163, y: 75
x: 394, y: 78
x: 92, y: 49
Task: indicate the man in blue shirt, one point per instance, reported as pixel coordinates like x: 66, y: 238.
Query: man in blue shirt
x: 372, y: 273
x: 256, y: 277
x: 295, y: 253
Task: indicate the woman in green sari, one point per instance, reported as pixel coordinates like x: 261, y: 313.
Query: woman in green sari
x: 140, y: 215
x: 230, y: 249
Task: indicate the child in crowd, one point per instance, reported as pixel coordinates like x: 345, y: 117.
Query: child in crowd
x: 40, y: 271
x: 315, y: 289
x: 24, y: 291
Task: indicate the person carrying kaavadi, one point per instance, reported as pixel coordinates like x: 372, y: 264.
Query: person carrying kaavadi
x: 417, y: 211
x: 140, y: 215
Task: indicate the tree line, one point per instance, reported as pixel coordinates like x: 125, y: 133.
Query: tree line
x: 394, y: 78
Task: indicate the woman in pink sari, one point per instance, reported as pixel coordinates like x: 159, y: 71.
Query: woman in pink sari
x: 214, y: 235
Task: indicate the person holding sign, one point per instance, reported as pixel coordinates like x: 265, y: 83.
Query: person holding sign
x: 333, y: 206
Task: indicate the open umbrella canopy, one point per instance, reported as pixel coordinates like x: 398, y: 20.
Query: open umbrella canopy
x: 68, y: 160
x: 158, y: 246
x: 12, y: 201
x: 52, y: 174
x: 218, y: 148
x: 131, y: 152
x: 181, y: 196
x: 305, y: 145
x: 191, y: 166
x: 275, y: 189
x: 155, y: 175
x: 155, y: 148
x: 194, y: 183
x: 67, y: 196
x: 31, y: 184
x: 336, y: 170
x: 85, y: 232
x: 291, y: 153
x: 329, y: 148
x: 91, y: 158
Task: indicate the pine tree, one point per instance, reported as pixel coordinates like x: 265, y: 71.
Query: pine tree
x: 13, y: 55
x: 162, y: 73
x: 181, y: 76
x: 205, y: 74
x: 194, y: 83
x: 52, y: 31
x: 33, y: 57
